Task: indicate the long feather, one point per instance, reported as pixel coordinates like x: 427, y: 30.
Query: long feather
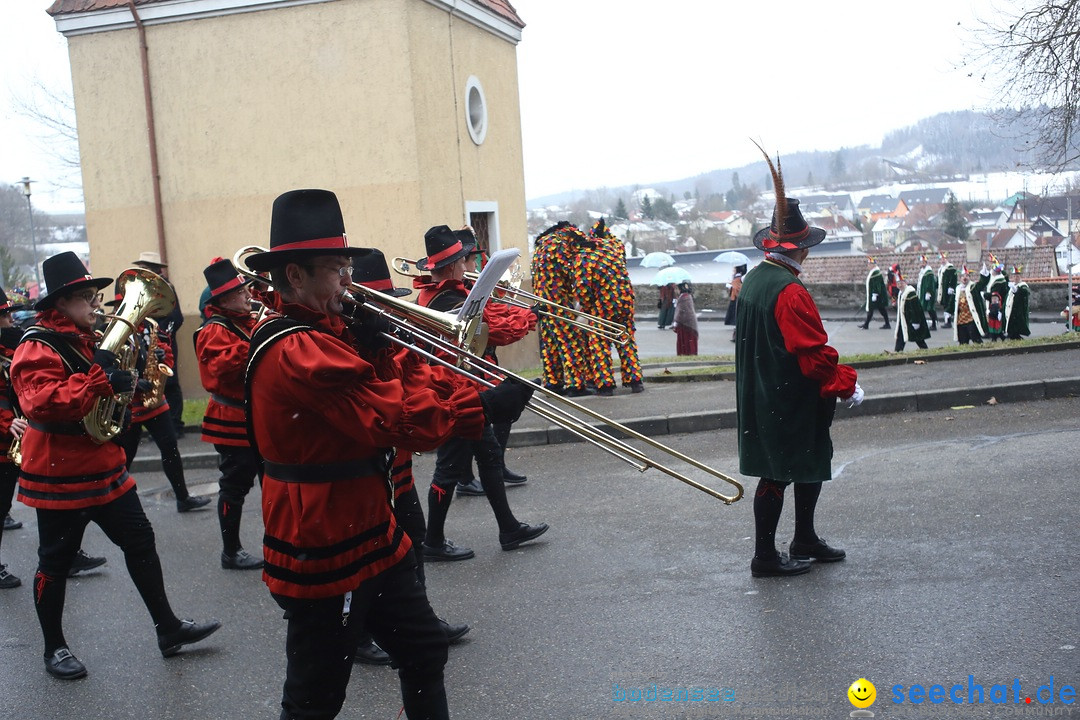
x: 778, y: 186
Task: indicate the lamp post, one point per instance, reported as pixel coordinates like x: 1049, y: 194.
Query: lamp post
x: 33, y: 239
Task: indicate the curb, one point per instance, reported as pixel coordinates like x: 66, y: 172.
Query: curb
x: 879, y: 405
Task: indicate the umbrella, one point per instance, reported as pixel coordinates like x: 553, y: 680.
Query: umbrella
x: 671, y: 275
x: 732, y: 258
x: 657, y: 260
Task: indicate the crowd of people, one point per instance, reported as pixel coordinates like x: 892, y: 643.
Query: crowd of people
x: 992, y: 307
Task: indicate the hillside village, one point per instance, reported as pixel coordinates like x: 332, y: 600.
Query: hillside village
x: 917, y: 221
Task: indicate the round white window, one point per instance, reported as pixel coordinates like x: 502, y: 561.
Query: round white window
x: 475, y: 110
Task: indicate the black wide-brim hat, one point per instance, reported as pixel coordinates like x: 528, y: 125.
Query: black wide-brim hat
x: 445, y: 247
x: 65, y: 273
x: 6, y: 305
x: 304, y: 224
x: 372, y: 271
x: 789, y: 233
x: 222, y: 277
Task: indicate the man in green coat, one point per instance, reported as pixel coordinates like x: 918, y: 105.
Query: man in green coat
x: 1017, y: 317
x: 910, y: 319
x: 946, y: 292
x: 928, y: 285
x: 876, y: 297
x: 787, y: 381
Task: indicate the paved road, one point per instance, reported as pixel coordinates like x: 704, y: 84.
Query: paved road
x: 960, y: 527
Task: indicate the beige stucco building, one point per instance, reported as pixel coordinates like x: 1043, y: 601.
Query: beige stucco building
x: 407, y: 109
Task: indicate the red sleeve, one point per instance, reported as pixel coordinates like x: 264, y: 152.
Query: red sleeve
x: 222, y: 359
x: 805, y: 338
x: 407, y: 413
x: 46, y: 392
x: 506, y: 323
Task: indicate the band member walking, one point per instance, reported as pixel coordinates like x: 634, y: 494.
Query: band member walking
x: 447, y: 251
x: 221, y: 347
x: 12, y: 425
x: 323, y: 418
x: 910, y: 319
x: 59, y: 375
x: 876, y: 295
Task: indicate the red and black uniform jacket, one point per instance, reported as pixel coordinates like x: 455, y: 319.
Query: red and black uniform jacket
x: 62, y: 467
x: 221, y: 346
x: 7, y: 397
x: 506, y: 323
x: 140, y: 413
x: 323, y: 419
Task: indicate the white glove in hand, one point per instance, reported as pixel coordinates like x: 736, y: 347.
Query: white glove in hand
x: 873, y: 297
x: 927, y: 296
x: 915, y: 326
x: 952, y: 291
x: 983, y: 271
x: 856, y: 398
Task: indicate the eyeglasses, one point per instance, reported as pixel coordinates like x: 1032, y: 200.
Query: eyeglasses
x: 89, y: 297
x: 342, y: 270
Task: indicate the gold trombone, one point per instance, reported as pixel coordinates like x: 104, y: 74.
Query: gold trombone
x: 444, y: 336
x: 513, y: 295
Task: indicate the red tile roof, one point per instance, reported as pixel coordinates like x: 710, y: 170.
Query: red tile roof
x: 502, y: 8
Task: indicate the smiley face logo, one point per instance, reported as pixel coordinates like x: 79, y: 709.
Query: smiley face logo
x: 862, y: 693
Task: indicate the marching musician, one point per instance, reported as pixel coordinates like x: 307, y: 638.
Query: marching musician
x: 221, y: 347
x: 323, y: 418
x: 12, y: 426
x: 444, y: 290
x: 170, y: 326
x: 58, y: 375
x: 371, y: 271
x: 150, y: 409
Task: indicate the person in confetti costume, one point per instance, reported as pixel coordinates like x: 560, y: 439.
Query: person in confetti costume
x: 563, y: 347
x: 617, y: 302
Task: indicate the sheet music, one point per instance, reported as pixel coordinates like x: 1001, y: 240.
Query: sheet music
x: 485, y: 284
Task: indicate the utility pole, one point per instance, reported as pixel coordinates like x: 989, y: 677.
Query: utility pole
x: 25, y: 182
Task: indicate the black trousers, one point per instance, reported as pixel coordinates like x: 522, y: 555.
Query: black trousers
x: 870, y: 314
x: 900, y: 343
x: 9, y: 480
x: 968, y: 332
x: 60, y: 534
x: 320, y: 645
x: 174, y: 395
x: 239, y: 467
x: 163, y: 433
x: 409, y: 514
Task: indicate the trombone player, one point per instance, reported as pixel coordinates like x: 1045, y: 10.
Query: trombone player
x: 325, y: 406
x: 59, y: 375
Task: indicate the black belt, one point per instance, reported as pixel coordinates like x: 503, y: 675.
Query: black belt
x: 327, y: 472
x: 59, y: 428
x: 227, y: 402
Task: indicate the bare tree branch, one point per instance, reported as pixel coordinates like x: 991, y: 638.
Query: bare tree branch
x: 54, y: 113
x: 1037, y: 51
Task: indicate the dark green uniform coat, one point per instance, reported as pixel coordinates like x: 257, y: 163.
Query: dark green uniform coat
x: 946, y: 293
x: 910, y: 318
x: 783, y: 420
x: 1016, y: 312
x: 876, y: 297
x: 927, y: 288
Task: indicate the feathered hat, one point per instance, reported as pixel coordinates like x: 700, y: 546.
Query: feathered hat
x: 789, y: 230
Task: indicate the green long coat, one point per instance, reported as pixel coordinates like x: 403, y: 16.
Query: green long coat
x: 1017, y: 317
x: 783, y: 422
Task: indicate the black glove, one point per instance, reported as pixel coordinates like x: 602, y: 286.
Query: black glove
x: 367, y: 329
x: 659, y: 304
x: 535, y: 310
x: 504, y: 402
x: 159, y: 353
x: 105, y: 359
x: 143, y: 385
x: 121, y: 380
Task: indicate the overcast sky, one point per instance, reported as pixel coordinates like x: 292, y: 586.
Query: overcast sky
x: 632, y: 91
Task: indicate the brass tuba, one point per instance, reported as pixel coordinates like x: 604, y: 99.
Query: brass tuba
x: 145, y: 293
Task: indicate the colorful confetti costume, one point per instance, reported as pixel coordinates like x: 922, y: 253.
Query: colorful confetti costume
x: 616, y: 299
x: 563, y: 347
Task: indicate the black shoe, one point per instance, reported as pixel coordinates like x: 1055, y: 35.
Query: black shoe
x: 864, y: 327
x: 512, y: 478
x: 241, y: 560
x: 886, y: 326
x: 448, y: 551
x: 188, y: 632
x: 820, y: 551
x: 637, y: 387
x: 606, y: 391
x: 7, y: 580
x: 473, y: 487
x: 523, y: 534
x: 578, y: 392
x: 62, y: 664
x: 192, y: 502
x: 11, y: 523
x: 454, y: 633
x: 83, y: 562
x: 780, y: 566
x: 371, y: 654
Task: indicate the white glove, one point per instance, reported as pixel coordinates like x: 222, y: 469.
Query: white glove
x: 983, y: 271
x: 927, y: 296
x: 873, y: 297
x: 856, y: 397
x: 952, y: 291
x: 915, y: 326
